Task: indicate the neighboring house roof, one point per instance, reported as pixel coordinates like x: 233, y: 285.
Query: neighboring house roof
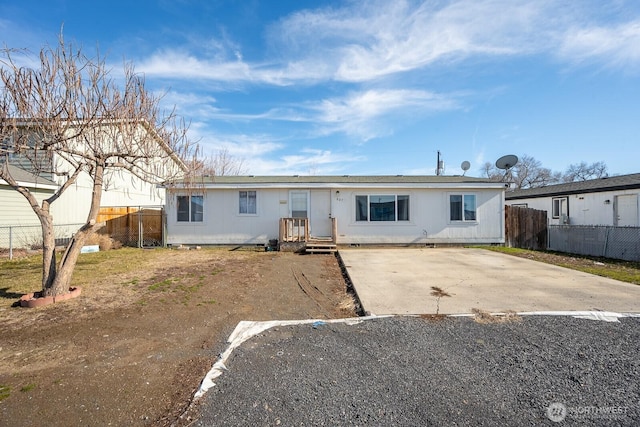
x: 336, y: 181
x: 621, y: 182
x: 148, y: 127
x: 28, y: 179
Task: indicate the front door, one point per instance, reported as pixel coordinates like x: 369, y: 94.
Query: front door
x: 626, y: 210
x: 320, y: 213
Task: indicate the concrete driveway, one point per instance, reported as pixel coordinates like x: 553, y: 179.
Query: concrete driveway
x: 400, y: 281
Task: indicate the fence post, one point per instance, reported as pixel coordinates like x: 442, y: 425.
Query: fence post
x: 163, y: 226
x: 10, y: 242
x: 606, y: 242
x: 140, y: 226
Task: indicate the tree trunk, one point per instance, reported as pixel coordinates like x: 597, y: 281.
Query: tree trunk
x: 48, y: 255
x: 62, y: 280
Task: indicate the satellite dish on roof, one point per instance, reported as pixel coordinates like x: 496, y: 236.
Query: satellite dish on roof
x: 465, y: 166
x: 507, y: 162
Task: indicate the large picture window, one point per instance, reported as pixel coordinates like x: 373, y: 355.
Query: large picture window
x: 462, y: 207
x: 190, y: 208
x: 248, y: 205
x: 387, y: 207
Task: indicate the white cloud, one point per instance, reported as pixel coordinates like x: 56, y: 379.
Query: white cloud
x: 371, y: 113
x: 367, y: 41
x: 364, y: 41
x: 371, y: 40
x: 365, y: 115
x: 617, y: 46
x: 172, y: 63
x: 305, y: 162
x: 241, y: 146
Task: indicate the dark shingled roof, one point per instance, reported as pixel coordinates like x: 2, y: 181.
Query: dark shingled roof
x: 621, y: 182
x: 24, y: 176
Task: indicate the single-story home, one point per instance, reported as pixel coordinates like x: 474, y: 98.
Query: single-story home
x: 603, y: 201
x: 344, y: 209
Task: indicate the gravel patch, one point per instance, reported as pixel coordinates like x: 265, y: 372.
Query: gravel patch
x: 538, y: 370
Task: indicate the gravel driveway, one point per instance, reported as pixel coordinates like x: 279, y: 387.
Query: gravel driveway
x: 540, y: 370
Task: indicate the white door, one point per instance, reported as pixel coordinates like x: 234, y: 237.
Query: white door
x: 319, y: 212
x: 626, y: 210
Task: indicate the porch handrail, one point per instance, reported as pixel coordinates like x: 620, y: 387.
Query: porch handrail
x: 294, y: 229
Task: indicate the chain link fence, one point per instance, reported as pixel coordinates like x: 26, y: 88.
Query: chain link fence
x: 601, y: 241
x: 136, y: 227
x: 21, y: 237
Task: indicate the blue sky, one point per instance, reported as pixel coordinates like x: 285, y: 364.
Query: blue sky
x: 374, y: 87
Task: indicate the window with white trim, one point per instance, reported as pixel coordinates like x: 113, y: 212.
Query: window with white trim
x: 386, y: 207
x: 559, y: 207
x: 248, y: 202
x: 462, y: 207
x: 190, y: 208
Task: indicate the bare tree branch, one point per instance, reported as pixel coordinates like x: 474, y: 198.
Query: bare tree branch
x: 67, y: 118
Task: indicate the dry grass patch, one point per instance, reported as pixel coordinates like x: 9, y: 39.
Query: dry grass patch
x: 483, y: 316
x: 625, y: 271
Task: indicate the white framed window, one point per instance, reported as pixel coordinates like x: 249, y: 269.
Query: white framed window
x: 559, y: 207
x: 190, y: 208
x: 385, y: 207
x: 462, y: 207
x: 248, y: 202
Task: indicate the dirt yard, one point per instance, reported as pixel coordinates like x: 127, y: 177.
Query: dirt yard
x: 133, y: 348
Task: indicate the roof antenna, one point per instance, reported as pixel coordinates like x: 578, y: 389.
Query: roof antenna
x: 440, y: 167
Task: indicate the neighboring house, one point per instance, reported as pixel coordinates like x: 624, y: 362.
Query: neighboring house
x: 121, y: 189
x: 345, y: 209
x: 15, y: 209
x: 603, y: 201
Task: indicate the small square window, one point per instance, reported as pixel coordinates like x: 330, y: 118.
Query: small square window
x: 559, y: 207
x: 190, y: 208
x: 248, y: 205
x: 462, y: 207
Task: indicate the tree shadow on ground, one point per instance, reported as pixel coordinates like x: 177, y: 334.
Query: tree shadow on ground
x: 5, y: 293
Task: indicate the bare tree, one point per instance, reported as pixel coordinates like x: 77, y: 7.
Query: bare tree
x: 527, y: 173
x: 221, y: 163
x: 583, y: 171
x: 67, y: 120
x: 490, y: 171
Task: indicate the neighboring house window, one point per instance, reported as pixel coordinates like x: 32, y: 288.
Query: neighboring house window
x: 248, y: 202
x: 559, y: 207
x: 388, y: 207
x: 520, y: 205
x: 462, y: 207
x: 190, y: 208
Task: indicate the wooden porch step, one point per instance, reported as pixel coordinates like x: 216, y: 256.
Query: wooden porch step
x: 320, y: 248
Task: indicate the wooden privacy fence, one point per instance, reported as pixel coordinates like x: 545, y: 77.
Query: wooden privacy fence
x: 133, y: 226
x: 525, y: 228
